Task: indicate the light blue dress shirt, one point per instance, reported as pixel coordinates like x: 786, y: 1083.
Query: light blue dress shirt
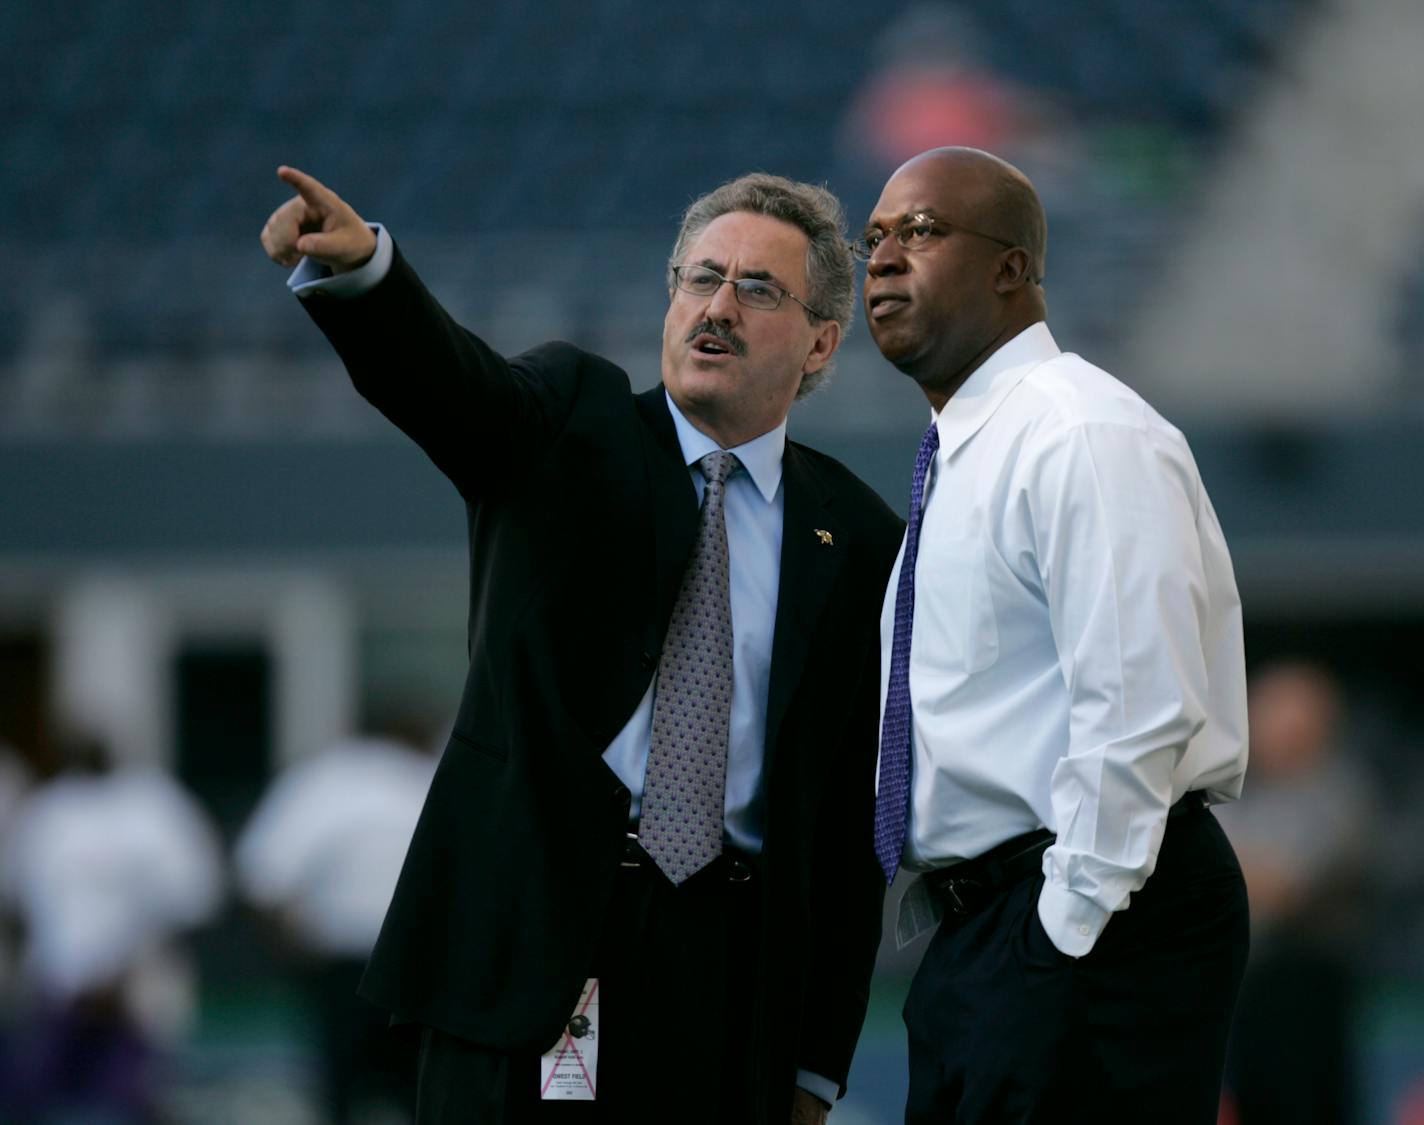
x: 753, y: 511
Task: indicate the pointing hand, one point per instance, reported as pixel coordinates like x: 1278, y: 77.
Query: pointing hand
x: 318, y: 224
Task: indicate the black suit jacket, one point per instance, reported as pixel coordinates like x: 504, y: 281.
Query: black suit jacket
x: 582, y: 516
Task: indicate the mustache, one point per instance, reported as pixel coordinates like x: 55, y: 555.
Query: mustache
x: 723, y: 333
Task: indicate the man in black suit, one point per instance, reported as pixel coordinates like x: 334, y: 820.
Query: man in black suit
x: 731, y: 974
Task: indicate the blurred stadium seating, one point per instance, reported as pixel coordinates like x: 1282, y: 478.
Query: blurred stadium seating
x: 518, y: 151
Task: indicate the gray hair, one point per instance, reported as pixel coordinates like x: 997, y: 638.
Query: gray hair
x: 830, y: 270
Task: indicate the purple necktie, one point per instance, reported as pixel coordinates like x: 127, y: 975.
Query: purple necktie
x: 892, y: 794
x: 685, y: 786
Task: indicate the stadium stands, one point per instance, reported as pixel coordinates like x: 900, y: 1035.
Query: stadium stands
x: 534, y: 151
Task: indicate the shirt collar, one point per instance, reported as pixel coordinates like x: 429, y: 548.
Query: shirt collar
x: 760, y: 457
x: 981, y: 394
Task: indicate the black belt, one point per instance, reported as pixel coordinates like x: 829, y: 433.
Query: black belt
x: 732, y: 865
x: 965, y: 888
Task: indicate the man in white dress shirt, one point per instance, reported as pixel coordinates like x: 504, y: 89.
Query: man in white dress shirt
x: 1065, y: 692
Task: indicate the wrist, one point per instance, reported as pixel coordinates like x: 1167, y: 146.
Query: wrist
x: 1071, y: 921
x: 363, y: 257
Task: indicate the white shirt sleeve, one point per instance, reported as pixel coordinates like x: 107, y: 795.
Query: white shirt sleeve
x: 313, y: 278
x: 1116, y: 510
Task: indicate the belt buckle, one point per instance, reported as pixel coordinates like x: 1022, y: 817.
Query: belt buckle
x: 630, y: 853
x: 962, y: 905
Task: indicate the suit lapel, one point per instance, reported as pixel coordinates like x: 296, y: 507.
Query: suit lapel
x: 673, y: 498
x: 813, y: 546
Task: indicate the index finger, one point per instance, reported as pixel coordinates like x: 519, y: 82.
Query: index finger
x: 309, y: 188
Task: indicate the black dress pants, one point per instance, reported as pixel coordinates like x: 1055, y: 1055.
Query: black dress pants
x: 677, y: 978
x: 1004, y: 1028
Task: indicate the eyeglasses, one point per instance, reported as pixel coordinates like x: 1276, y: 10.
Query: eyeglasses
x: 914, y: 232
x: 752, y: 292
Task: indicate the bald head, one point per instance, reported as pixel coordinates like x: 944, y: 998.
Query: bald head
x: 1002, y: 199
x: 961, y: 277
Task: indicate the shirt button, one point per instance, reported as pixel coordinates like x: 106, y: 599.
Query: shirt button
x: 1084, y: 930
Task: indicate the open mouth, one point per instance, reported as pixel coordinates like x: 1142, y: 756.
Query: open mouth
x: 707, y: 345
x: 707, y: 341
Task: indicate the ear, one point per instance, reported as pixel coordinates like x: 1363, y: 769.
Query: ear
x: 828, y: 339
x: 1015, y: 270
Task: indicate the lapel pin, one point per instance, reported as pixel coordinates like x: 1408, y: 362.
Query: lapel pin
x: 824, y: 536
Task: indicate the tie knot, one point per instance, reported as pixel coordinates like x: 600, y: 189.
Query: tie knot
x: 928, y: 445
x: 930, y: 442
x: 717, y: 467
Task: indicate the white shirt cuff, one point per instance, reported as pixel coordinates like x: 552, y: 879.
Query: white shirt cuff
x: 311, y: 277
x: 823, y: 1088
x: 1071, y: 921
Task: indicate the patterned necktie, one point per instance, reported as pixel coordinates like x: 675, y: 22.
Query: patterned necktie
x: 684, y: 789
x: 892, y: 794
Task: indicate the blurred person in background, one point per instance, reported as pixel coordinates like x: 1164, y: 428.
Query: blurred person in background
x: 931, y: 78
x: 14, y: 784
x: 320, y: 858
x: 1064, y: 692
x: 1301, y: 829
x: 106, y: 867
x: 659, y: 781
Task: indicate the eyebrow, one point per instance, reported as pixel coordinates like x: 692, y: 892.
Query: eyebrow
x: 927, y: 212
x: 749, y: 275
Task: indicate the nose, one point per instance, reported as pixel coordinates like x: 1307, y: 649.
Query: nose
x: 887, y: 259
x: 722, y: 306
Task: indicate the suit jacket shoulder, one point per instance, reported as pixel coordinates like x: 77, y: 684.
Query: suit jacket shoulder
x: 860, y: 504
x: 469, y: 407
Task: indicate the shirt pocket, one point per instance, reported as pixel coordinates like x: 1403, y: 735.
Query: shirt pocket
x: 956, y: 631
